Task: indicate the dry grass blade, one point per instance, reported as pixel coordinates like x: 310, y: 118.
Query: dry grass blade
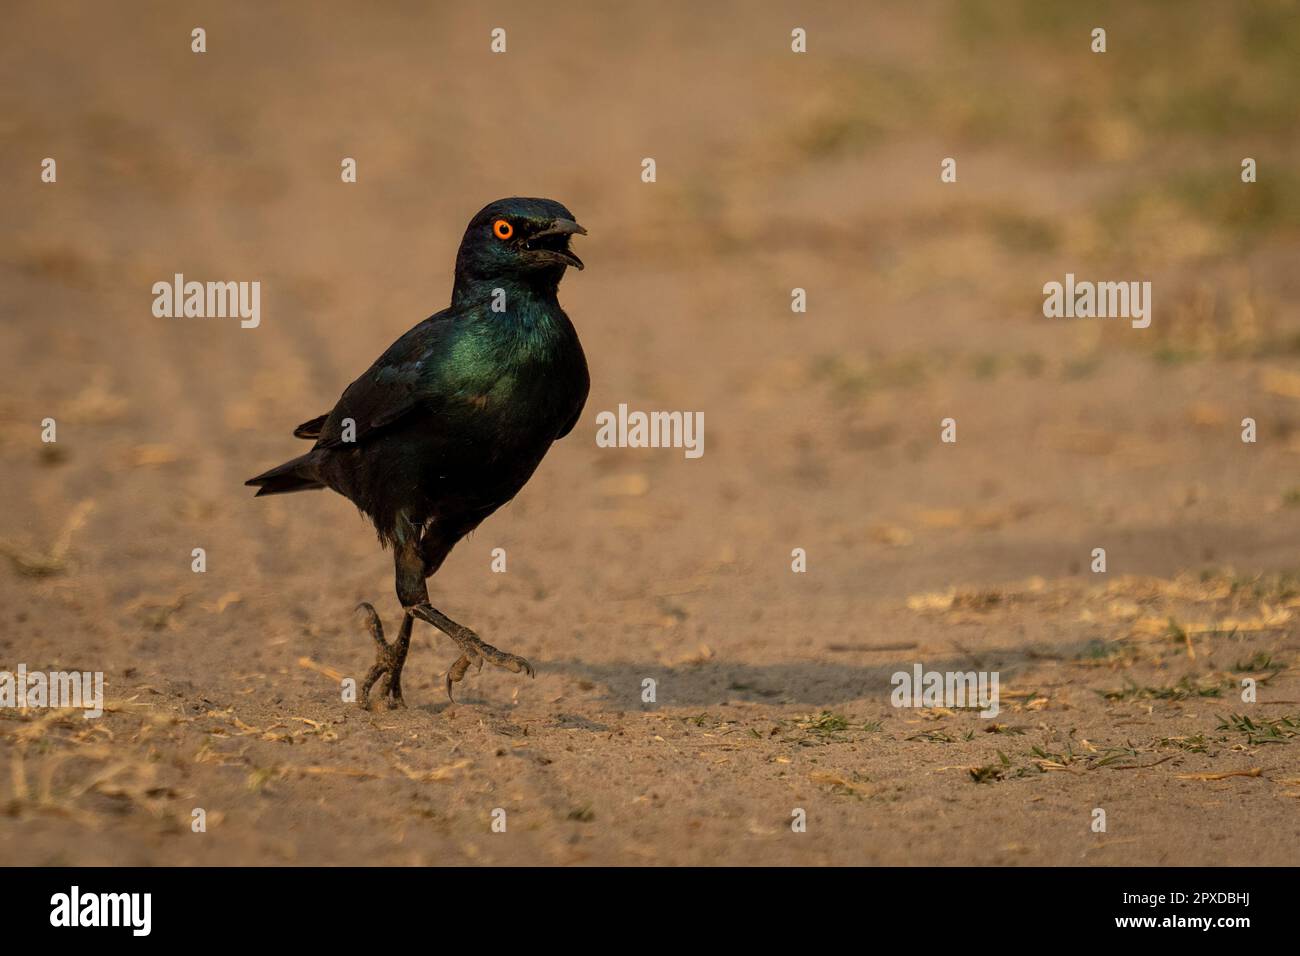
x: 428, y: 776
x: 311, y: 665
x: 1252, y: 772
x: 317, y: 771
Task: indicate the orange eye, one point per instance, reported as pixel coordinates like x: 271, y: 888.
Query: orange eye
x: 502, y: 229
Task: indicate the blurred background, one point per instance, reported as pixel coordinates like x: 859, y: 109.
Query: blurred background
x: 774, y: 171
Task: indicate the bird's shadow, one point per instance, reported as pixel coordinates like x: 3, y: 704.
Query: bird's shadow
x: 818, y: 683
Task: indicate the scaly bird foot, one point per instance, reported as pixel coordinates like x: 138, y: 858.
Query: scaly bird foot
x: 473, y: 649
x: 389, y: 659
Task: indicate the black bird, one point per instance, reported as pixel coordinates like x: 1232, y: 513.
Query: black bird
x: 449, y: 423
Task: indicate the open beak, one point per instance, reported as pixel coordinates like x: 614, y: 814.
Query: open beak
x: 557, y: 232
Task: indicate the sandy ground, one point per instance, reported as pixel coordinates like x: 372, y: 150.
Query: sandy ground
x: 1120, y: 691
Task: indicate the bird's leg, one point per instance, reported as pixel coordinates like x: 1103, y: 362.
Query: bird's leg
x: 417, y: 556
x: 474, y: 650
x: 389, y: 658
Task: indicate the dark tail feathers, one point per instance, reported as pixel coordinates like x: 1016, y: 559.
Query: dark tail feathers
x: 312, y: 428
x: 296, y: 475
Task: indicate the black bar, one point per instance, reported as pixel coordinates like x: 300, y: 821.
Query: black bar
x: 339, y: 905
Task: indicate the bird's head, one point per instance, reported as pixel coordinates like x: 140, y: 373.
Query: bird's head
x: 522, y: 239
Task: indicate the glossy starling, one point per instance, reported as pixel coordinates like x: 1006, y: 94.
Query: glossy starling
x: 450, y: 422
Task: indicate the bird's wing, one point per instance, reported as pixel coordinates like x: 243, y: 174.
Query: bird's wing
x: 390, y: 389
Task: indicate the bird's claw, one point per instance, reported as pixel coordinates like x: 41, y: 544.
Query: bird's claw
x: 474, y: 650
x: 486, y: 652
x: 373, y: 624
x: 390, y: 690
x: 477, y: 655
x: 456, y: 673
x: 515, y: 664
x: 389, y: 659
